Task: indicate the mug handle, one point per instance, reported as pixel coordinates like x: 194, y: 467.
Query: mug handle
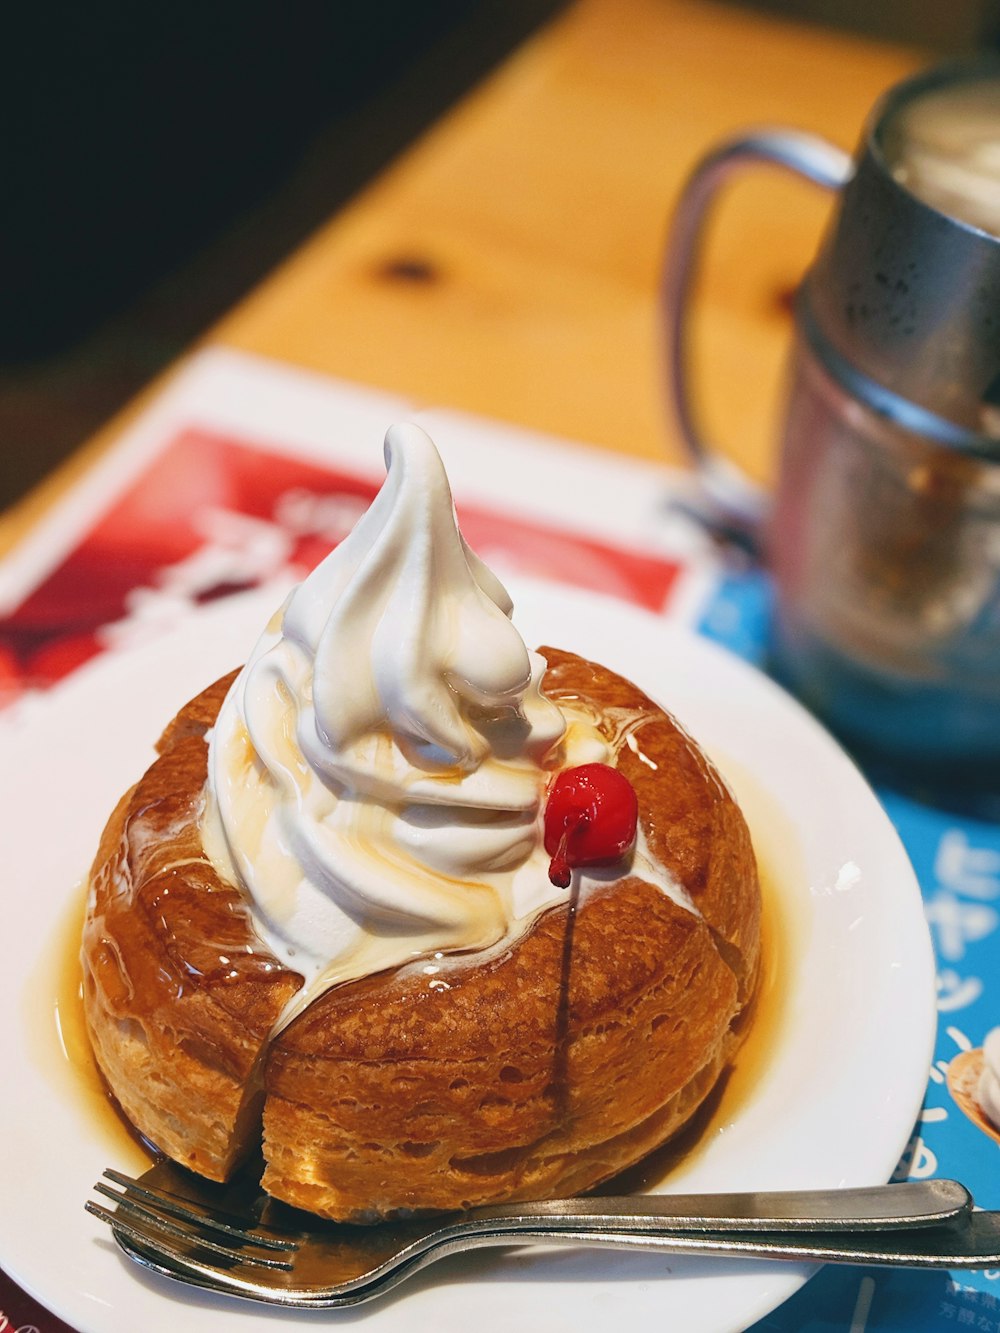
x: 734, y: 500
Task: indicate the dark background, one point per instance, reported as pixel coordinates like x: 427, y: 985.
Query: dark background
x: 158, y: 159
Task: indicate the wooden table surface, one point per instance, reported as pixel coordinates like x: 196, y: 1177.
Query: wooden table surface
x: 508, y: 262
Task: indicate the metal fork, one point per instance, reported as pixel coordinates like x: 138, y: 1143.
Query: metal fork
x: 235, y: 1239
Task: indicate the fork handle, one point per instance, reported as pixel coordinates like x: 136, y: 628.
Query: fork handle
x: 972, y: 1243
x: 924, y: 1203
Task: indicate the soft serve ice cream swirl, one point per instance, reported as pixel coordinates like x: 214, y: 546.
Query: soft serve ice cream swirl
x: 377, y: 769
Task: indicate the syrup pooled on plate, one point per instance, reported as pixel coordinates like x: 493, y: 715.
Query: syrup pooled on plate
x: 55, y: 1007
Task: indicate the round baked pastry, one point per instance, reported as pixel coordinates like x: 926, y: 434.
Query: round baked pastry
x: 538, y: 1069
x: 325, y: 918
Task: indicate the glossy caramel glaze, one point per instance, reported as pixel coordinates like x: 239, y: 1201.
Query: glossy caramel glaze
x: 693, y: 826
x: 179, y: 994
x: 539, y: 1068
x: 557, y: 1062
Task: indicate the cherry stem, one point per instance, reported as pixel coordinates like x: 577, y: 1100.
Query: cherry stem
x: 559, y: 868
x: 560, y: 872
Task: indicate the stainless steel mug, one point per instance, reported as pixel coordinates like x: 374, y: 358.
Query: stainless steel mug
x: 883, y: 535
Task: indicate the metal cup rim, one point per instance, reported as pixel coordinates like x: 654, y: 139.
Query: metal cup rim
x: 960, y: 69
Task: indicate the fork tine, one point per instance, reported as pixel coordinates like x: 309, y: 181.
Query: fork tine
x: 159, y: 1227
x: 169, y: 1203
x: 172, y: 1260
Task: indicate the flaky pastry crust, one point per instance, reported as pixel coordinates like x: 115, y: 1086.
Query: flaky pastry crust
x: 537, y: 1069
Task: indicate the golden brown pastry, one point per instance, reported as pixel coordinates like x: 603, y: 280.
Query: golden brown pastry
x: 454, y: 921
x: 540, y: 1067
x: 180, y: 999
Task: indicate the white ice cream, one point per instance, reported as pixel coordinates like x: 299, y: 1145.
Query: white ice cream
x: 988, y: 1091
x: 377, y: 770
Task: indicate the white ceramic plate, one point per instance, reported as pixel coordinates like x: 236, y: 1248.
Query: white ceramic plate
x: 832, y: 1105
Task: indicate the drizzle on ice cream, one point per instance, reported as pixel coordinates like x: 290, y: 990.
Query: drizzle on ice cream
x: 378, y: 767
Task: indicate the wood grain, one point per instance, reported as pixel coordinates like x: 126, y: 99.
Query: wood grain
x: 508, y: 262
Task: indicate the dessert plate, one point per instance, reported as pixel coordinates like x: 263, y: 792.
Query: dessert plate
x: 825, y: 1093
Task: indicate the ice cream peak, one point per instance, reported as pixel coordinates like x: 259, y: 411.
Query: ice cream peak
x: 377, y: 769
x: 988, y: 1091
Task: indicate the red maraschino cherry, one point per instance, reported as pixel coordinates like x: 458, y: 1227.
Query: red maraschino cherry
x: 590, y: 817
